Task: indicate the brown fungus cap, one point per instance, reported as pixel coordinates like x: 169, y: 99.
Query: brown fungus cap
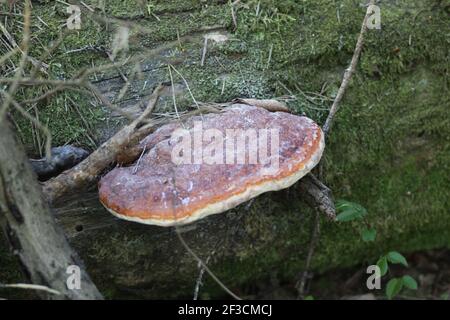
x: 158, y: 190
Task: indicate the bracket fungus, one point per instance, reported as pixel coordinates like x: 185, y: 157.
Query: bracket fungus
x: 211, y: 163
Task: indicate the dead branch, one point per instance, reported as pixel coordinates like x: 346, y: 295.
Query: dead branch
x: 18, y: 74
x: 300, y: 286
x: 233, y: 13
x: 204, y: 266
x: 89, y: 169
x: 268, y: 104
x: 326, y: 129
x: 347, y: 75
x: 30, y: 228
x: 199, y: 281
x: 124, y: 148
x: 317, y: 195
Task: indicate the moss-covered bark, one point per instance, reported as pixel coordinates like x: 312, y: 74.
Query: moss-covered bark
x: 389, y: 149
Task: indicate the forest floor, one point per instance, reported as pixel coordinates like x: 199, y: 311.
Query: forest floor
x: 430, y: 268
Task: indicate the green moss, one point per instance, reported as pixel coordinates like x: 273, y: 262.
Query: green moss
x: 389, y: 149
x: 10, y: 272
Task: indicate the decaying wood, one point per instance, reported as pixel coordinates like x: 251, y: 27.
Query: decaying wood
x: 268, y: 104
x: 317, y: 195
x: 123, y: 148
x: 26, y: 218
x: 88, y: 170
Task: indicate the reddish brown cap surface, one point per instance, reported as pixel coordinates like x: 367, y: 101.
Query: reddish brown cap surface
x: 158, y: 191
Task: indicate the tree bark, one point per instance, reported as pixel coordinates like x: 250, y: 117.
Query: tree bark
x: 30, y: 228
x: 317, y: 195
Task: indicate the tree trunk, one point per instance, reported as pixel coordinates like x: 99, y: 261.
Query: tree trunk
x: 30, y: 228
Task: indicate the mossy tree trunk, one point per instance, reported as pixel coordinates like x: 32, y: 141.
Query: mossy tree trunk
x: 389, y: 150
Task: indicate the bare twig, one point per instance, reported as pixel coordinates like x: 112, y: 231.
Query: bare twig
x: 18, y: 74
x: 205, y: 47
x: 36, y: 122
x: 187, y: 85
x: 347, y: 75
x: 8, y: 55
x: 89, y: 169
x: 136, y: 167
x: 268, y: 104
x: 203, y: 264
x: 199, y: 281
x: 312, y: 246
x: 172, y: 86
x: 28, y: 286
x: 317, y: 195
x: 326, y: 129
x: 233, y: 13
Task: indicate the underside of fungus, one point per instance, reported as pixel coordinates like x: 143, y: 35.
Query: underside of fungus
x: 197, y: 168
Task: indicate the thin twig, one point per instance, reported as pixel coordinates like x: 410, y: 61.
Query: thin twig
x: 347, y: 75
x: 187, y: 86
x: 188, y: 248
x: 88, y: 170
x: 28, y: 286
x: 233, y: 13
x: 312, y: 246
x: 199, y: 281
x: 203, y: 264
x: 205, y: 47
x: 18, y: 74
x: 36, y: 122
x: 173, y: 91
x: 326, y: 129
x: 136, y: 167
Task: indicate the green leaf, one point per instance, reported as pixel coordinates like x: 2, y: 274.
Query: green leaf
x: 395, y: 257
x: 344, y: 204
x: 368, y: 235
x: 445, y: 296
x: 348, y: 215
x: 309, y: 298
x: 349, y: 211
x: 393, y: 288
x: 383, y: 265
x: 409, y: 282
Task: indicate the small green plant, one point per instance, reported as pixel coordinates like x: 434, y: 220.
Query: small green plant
x: 350, y: 211
x: 267, y: 16
x: 368, y: 234
x: 395, y: 285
